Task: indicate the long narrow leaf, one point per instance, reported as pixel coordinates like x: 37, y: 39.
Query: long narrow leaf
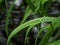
x: 27, y: 32
x: 7, y: 17
x: 28, y: 11
x: 38, y: 20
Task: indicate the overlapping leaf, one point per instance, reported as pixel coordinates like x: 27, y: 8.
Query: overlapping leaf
x: 34, y: 22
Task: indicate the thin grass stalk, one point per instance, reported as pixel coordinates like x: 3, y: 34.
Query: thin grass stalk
x: 7, y: 18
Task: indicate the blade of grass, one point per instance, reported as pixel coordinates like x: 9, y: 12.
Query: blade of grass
x: 27, y: 32
x: 26, y: 14
x: 28, y: 11
x: 34, y: 22
x: 7, y: 17
x: 33, y: 7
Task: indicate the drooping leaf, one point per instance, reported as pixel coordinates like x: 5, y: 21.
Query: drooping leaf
x: 34, y: 22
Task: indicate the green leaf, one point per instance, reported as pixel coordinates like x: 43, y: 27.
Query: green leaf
x: 26, y: 14
x: 34, y: 22
x: 8, y: 16
x: 27, y: 32
x: 29, y: 10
